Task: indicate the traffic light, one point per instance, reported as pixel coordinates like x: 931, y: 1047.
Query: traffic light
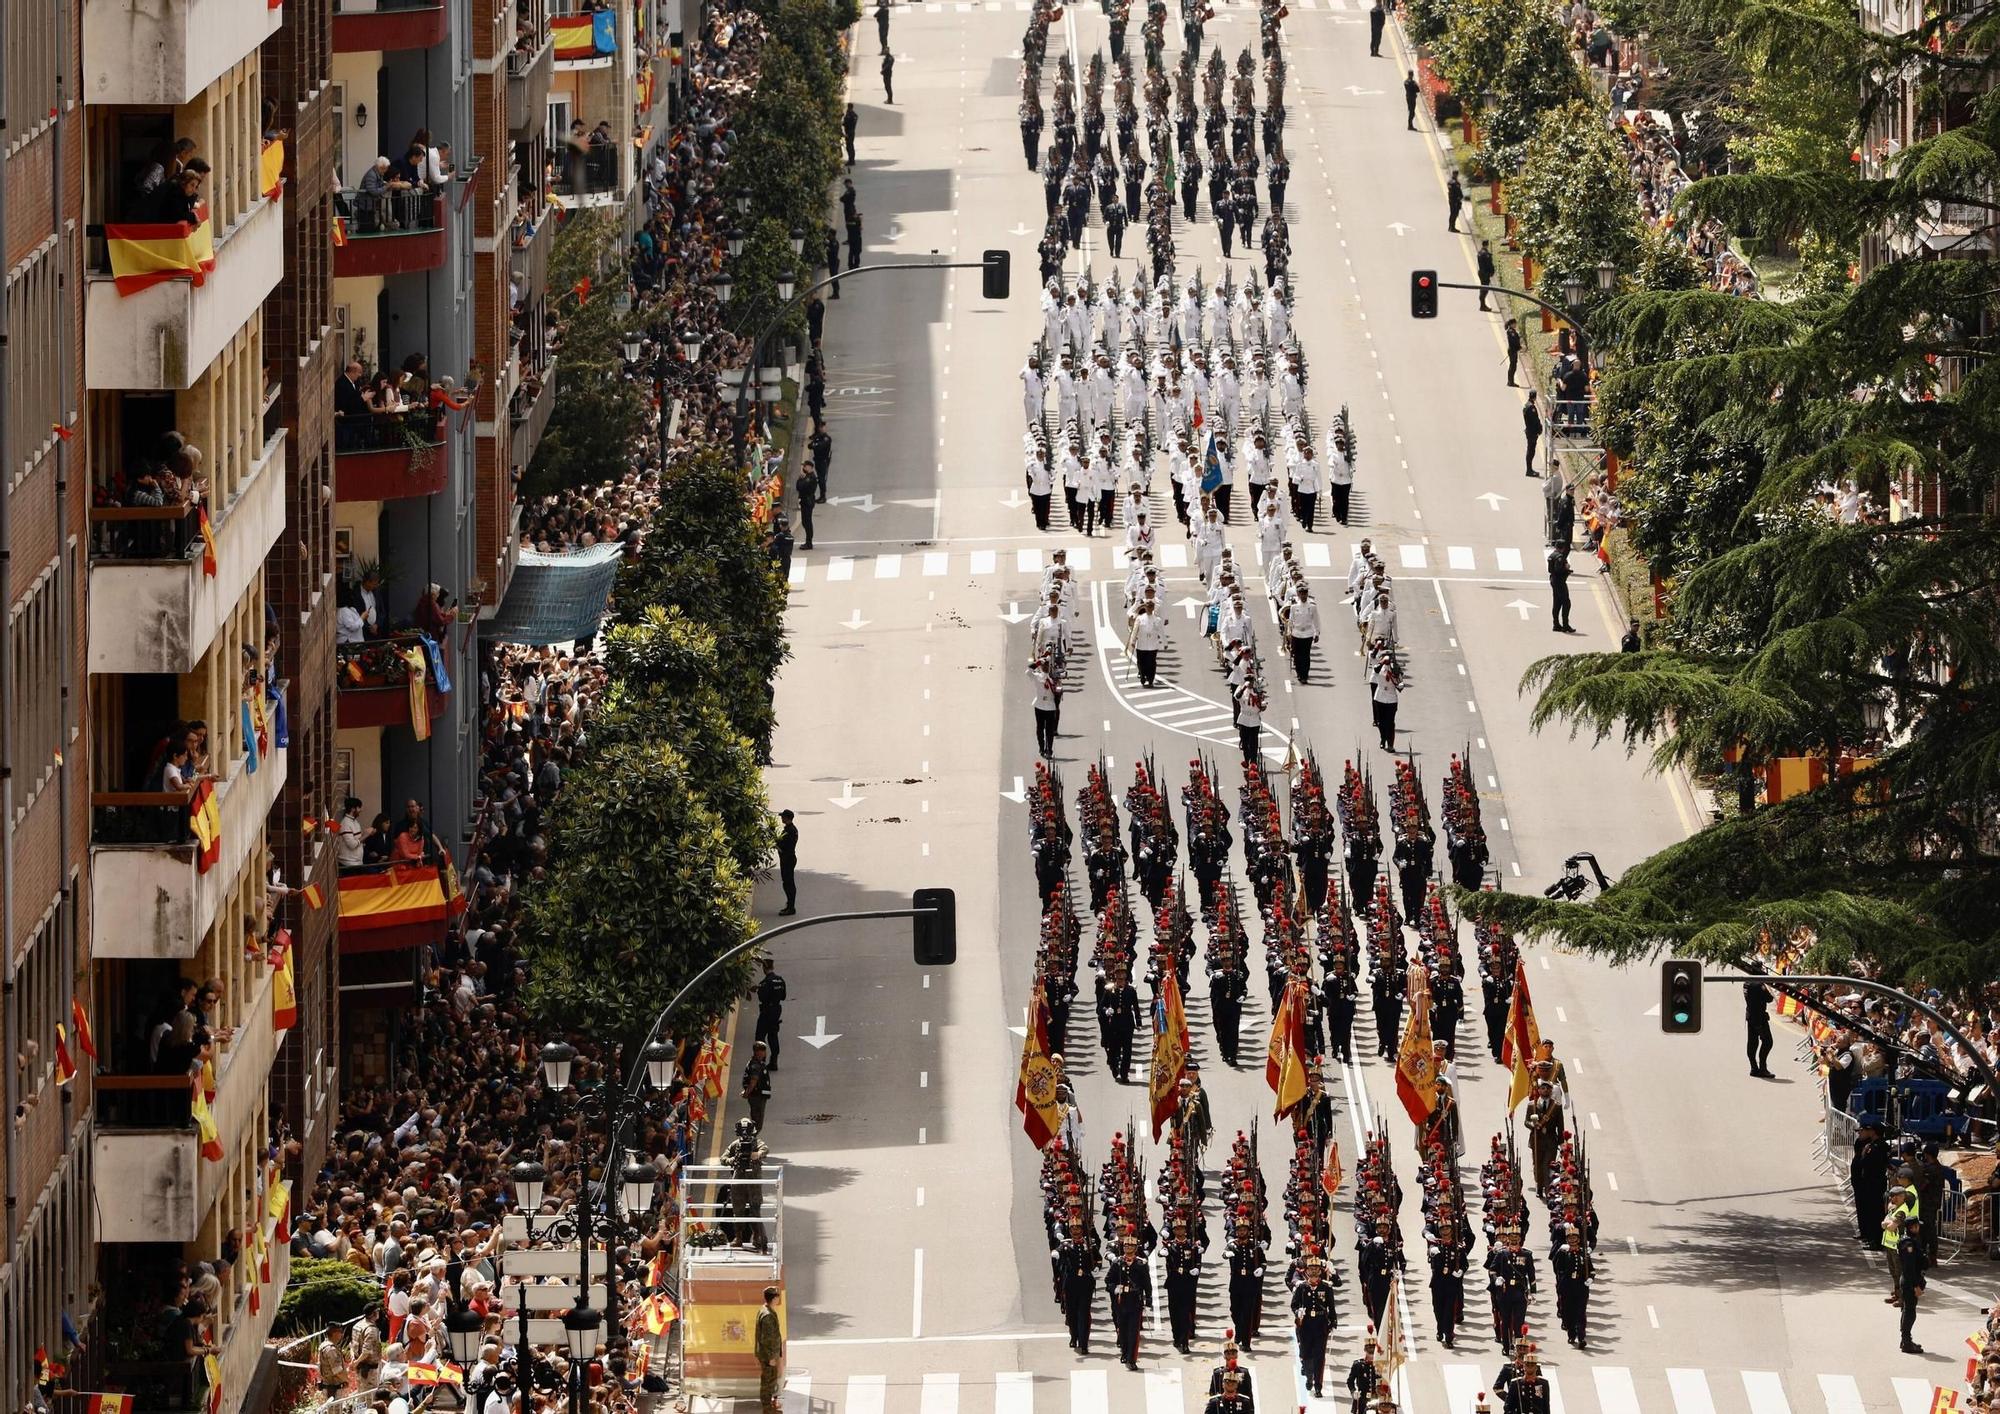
x: 993, y: 280
x: 935, y: 934
x: 1423, y: 294
x: 1680, y: 997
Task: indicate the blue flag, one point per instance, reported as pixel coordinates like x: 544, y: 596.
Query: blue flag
x: 1211, y: 464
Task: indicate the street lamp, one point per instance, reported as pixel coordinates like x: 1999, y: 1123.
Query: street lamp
x: 798, y: 239
x: 557, y: 1058
x: 723, y: 286
x: 787, y: 286
x: 637, y: 1184
x: 580, y: 1327
x: 463, y: 1326
x: 1607, y: 276
x: 659, y: 1056
x: 743, y: 205
x: 632, y: 349
x: 530, y: 1181
x: 690, y: 345
x: 733, y: 239
x: 1573, y: 288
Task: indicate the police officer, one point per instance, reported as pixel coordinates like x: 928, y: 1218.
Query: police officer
x: 1129, y: 1282
x: 1114, y: 228
x: 1313, y: 1318
x: 770, y: 1008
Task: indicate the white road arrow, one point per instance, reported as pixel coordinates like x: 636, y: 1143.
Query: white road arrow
x: 1015, y: 500
x: 847, y: 799
x: 1653, y: 1010
x: 854, y: 622
x: 1360, y: 92
x: 1523, y: 605
x: 1013, y: 614
x: 1491, y: 498
x: 1191, y: 604
x: 1401, y: 228
x: 864, y: 503
x: 1018, y: 795
x: 820, y: 1036
x: 1020, y: 230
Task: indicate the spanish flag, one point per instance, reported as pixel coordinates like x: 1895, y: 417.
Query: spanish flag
x: 65, y: 1067
x: 315, y: 896
x: 284, y: 990
x: 1170, y: 1052
x: 1518, y: 1043
x: 205, y: 819
x: 1330, y: 1176
x: 1944, y: 1401
x: 204, y: 1123
x: 420, y: 709
x: 1035, y: 1090
x: 657, y: 1313
x: 1285, y: 1056
x: 207, y: 543
x: 339, y: 232
x: 573, y: 36
x: 279, y: 1207
x: 213, y: 1368
x: 82, y: 1024
x: 109, y: 1404
x: 271, y: 168
x: 1416, y: 1065
x: 144, y: 254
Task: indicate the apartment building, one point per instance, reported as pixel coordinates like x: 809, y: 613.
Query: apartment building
x: 45, y: 1154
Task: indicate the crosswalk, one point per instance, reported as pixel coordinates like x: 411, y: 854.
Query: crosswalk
x: 966, y: 7
x: 1578, y: 1386
x: 1480, y: 562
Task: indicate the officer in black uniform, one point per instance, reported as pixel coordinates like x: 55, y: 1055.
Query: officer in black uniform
x: 1183, y: 1259
x: 1529, y: 1393
x: 1572, y: 1265
x: 1245, y: 1251
x: 1387, y: 985
x: 1448, y: 1263
x: 1117, y: 1018
x: 1362, y: 1377
x: 1079, y: 1269
x: 1114, y: 228
x: 1313, y: 1317
x: 1230, y: 1398
x: 1228, y: 980
x: 1510, y: 1276
x: 1031, y: 130
x: 770, y: 1008
x: 1129, y: 1282
x: 1338, y: 993
x: 1230, y: 1369
x: 1379, y: 1258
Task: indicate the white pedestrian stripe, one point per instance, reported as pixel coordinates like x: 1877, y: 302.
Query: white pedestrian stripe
x: 984, y: 561
x: 1089, y: 1392
x: 1766, y: 1392
x: 1163, y: 1392
x: 1460, y: 557
x: 866, y: 1394
x: 1555, y: 1391
x: 888, y: 566
x: 1028, y: 561
x: 1174, y: 557
x: 1912, y: 1396
x: 1013, y: 1392
x: 936, y: 562
x: 840, y: 567
x: 797, y: 1398
x: 940, y: 1395
x: 1843, y: 1395
x: 1510, y: 561
x: 1690, y: 1392
x: 1462, y: 1384
x: 798, y: 574
x: 1413, y: 556
x: 1318, y: 556
x: 1079, y: 559
x: 1615, y: 1394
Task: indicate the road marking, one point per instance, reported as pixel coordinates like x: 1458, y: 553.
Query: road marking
x: 924, y: 1083
x: 917, y: 1298
x: 984, y: 561
x: 1013, y: 1392
x: 920, y: 1192
x: 1028, y: 561
x: 1460, y: 557
x: 1318, y: 556
x: 1413, y: 556
x: 922, y: 1133
x: 1561, y: 1016
x: 936, y: 562
x: 1593, y: 1120
x: 867, y: 1394
x: 1690, y: 1391
x: 1766, y: 1393
x: 1632, y: 1245
x: 1615, y: 1394
x: 1462, y: 1386
x: 800, y: 1386
x: 797, y: 575
x: 1509, y: 561
x: 1173, y: 557
x: 1089, y: 1392
x: 1912, y: 1396
x: 840, y: 567
x: 888, y: 566
x: 1163, y: 1392
x: 1843, y: 1395
x: 1555, y: 1392
x: 1079, y: 558
x: 940, y: 1390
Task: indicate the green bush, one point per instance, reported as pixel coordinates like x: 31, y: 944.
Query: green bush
x: 323, y: 1292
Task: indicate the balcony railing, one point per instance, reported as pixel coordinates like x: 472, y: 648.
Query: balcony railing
x: 391, y: 232
x: 363, y: 26
x: 529, y: 73
x: 146, y: 52
x: 594, y: 174
x: 389, y: 456
x: 144, y: 532
x: 373, y: 679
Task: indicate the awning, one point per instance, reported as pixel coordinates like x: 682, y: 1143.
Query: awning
x: 557, y: 598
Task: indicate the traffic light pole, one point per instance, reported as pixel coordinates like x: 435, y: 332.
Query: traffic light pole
x: 1582, y: 337
x: 1784, y: 982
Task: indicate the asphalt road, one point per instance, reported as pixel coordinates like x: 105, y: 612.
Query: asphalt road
x: 917, y: 1272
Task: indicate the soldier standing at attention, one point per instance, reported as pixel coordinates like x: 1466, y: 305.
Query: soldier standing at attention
x: 788, y: 838
x: 770, y: 1352
x: 770, y: 1007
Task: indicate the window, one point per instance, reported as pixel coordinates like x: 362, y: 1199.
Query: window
x: 39, y: 654
x: 35, y: 393
x: 32, y: 65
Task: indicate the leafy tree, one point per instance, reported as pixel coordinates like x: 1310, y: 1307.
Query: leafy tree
x: 664, y: 670
x: 767, y: 257
x: 641, y: 892
x: 1474, y: 43
x: 600, y: 413
x: 321, y: 1292
x: 1573, y: 200
x: 704, y: 557
x: 1536, y: 73
x: 788, y: 151
x: 1424, y: 20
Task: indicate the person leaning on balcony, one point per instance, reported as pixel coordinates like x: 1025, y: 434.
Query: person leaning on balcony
x: 414, y: 382
x: 376, y: 843
x: 372, y: 204
x: 347, y: 835
x: 432, y: 613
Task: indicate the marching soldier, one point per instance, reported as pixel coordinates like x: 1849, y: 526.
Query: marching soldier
x: 1573, y: 1270
x: 1386, y: 984
x: 1183, y: 1257
x: 1362, y: 1377
x: 1338, y: 993
x: 1231, y: 1367
x: 1529, y: 1393
x: 1379, y: 1258
x: 1117, y: 1017
x: 1129, y: 1281
x: 1313, y: 1317
x: 1510, y: 1276
x: 1448, y: 1263
x: 1230, y: 1398
x: 1245, y: 1251
x: 1079, y: 1268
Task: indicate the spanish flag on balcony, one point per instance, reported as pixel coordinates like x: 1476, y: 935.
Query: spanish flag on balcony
x: 284, y: 987
x: 205, y: 819
x: 420, y: 697
x: 271, y: 168
x: 144, y: 254
x: 208, y: 561
x: 109, y: 1404
x: 279, y: 1206
x: 82, y: 1022
x: 65, y: 1067
x: 339, y: 231
x: 204, y: 1123
x: 585, y: 36
x: 396, y: 896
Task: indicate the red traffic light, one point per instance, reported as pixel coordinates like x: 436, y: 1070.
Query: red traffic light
x: 1423, y: 294
x: 1423, y: 282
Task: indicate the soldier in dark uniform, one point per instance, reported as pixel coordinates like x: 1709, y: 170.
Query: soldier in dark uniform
x: 1314, y: 1115
x: 1380, y: 1257
x: 1387, y: 985
x: 1079, y: 1266
x: 1183, y: 1258
x: 1510, y: 1276
x: 1228, y: 980
x: 1313, y: 1317
x: 1117, y: 1017
x: 1129, y: 1282
x: 1052, y: 175
x: 1448, y: 1263
x: 1190, y: 180
x: 1447, y: 1009
x: 1413, y: 870
x: 1338, y: 993
x: 1529, y: 1393
x: 1572, y: 1266
x: 1114, y: 229
x: 745, y: 1157
x: 1135, y: 182
x: 1031, y: 130
x: 1245, y: 1251
x: 1232, y: 1369
x: 1362, y: 1377
x: 1230, y: 1398
x: 1275, y: 176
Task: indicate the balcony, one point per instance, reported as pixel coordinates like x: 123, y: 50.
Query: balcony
x: 364, y: 26
x: 528, y: 75
x: 148, y: 894
x: 153, y: 609
x: 179, y: 1386
x: 389, y: 456
x: 586, y: 41
x: 153, y: 1185
x: 162, y: 337
x: 528, y: 413
x: 165, y: 52
x: 531, y: 256
x: 594, y: 180
x: 373, y: 682
x: 389, y: 233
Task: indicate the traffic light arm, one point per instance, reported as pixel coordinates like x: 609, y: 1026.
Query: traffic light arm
x: 1582, y: 336
x: 1785, y: 981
